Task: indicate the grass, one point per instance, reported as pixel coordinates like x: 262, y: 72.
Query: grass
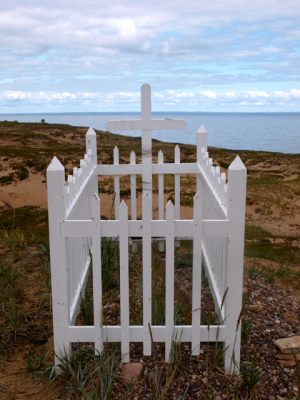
x: 254, y: 232
x: 264, y: 179
x: 27, y: 320
x: 282, y: 274
x: 20, y: 251
x: 279, y: 253
x: 86, y: 376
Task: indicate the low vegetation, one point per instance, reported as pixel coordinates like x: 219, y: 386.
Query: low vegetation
x: 272, y: 259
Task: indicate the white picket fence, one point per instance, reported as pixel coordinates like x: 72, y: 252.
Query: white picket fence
x: 216, y: 229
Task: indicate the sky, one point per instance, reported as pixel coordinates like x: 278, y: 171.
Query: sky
x: 201, y: 55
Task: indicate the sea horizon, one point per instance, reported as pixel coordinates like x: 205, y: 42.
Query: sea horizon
x: 260, y: 131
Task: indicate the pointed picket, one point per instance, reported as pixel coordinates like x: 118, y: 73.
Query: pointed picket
x: 147, y: 271
x: 124, y: 282
x: 116, y: 184
x: 160, y: 188
x: 97, y: 276
x: 170, y: 229
x: 133, y: 187
x: 197, y: 269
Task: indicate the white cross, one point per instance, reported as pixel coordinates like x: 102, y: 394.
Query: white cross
x: 146, y: 124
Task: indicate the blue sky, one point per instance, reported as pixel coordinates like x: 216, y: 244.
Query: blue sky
x: 71, y: 55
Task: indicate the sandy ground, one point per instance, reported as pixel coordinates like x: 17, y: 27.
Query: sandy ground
x: 273, y: 203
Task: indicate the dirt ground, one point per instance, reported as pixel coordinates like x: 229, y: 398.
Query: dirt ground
x: 272, y: 226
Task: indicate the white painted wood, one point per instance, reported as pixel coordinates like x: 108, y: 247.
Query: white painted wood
x: 161, y: 205
x: 197, y: 268
x: 59, y: 274
x: 237, y: 175
x: 209, y: 188
x: 140, y: 125
x: 201, y: 141
x: 112, y: 334
x: 110, y: 228
x: 161, y: 199
x: 170, y: 214
x: 146, y: 141
x: 91, y: 144
x: 133, y: 187
x: 146, y: 125
x: 124, y: 282
x: 116, y: 184
x: 223, y: 188
x: 165, y: 168
x: 212, y: 284
x: 147, y: 271
x: 177, y: 183
x: 97, y: 275
x: 75, y: 227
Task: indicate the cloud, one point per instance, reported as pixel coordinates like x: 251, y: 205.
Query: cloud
x: 201, y: 49
x: 172, y: 100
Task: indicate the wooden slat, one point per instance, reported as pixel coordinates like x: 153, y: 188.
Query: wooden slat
x: 147, y: 275
x: 124, y: 282
x: 208, y: 186
x: 154, y: 125
x: 97, y: 275
x: 161, y: 206
x: 197, y: 268
x: 165, y: 168
x: 112, y: 334
x: 133, y: 187
x: 169, y: 279
x: 177, y: 183
x: 116, y: 184
x: 183, y: 228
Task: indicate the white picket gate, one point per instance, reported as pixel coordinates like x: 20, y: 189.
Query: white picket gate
x: 216, y: 229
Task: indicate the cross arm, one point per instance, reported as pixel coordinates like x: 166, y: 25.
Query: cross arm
x: 153, y: 125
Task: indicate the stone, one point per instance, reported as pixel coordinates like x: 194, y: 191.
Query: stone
x: 256, y: 308
x: 288, y: 345
x: 287, y: 363
x: 131, y: 372
x: 285, y: 357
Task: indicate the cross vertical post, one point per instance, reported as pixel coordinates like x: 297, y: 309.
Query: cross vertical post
x: 146, y: 140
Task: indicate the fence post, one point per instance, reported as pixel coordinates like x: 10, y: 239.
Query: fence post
x: 237, y: 175
x: 59, y: 275
x: 201, y: 141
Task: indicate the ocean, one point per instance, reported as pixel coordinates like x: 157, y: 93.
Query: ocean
x: 277, y: 132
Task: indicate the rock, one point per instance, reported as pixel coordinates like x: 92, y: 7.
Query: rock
x: 287, y: 363
x: 285, y: 357
x: 131, y: 372
x: 256, y: 308
x: 288, y: 345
